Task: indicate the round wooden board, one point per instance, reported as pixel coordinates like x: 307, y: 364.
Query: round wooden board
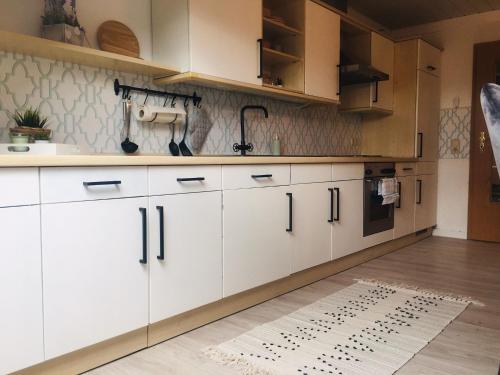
x: 114, y: 36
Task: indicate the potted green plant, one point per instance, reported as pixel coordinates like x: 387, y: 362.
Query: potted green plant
x: 61, y: 23
x: 30, y: 124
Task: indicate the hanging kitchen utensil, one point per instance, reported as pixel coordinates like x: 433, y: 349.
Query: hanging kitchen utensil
x: 172, y: 146
x: 201, y: 124
x: 114, y: 36
x: 128, y: 146
x: 182, y: 145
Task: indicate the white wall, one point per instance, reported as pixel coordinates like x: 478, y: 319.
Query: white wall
x: 457, y: 38
x: 23, y: 16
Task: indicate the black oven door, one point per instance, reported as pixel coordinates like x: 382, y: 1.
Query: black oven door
x: 377, y: 217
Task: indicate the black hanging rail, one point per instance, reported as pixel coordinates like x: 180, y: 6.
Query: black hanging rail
x: 127, y: 89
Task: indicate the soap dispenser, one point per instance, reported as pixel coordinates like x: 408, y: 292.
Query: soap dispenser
x: 276, y: 146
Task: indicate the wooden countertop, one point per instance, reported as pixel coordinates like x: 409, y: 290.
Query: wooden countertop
x: 114, y: 160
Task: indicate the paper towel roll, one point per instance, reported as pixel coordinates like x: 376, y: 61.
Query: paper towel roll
x: 160, y: 115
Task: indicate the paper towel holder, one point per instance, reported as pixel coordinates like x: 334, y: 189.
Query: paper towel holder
x: 127, y: 89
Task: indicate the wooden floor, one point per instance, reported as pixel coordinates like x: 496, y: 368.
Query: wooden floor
x: 469, y: 345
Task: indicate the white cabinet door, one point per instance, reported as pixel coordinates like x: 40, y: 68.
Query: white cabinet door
x: 348, y: 218
x: 94, y: 285
x: 426, y: 202
x: 256, y: 244
x: 21, y: 314
x: 185, y: 252
x: 322, y: 51
x: 223, y: 38
x: 311, y: 238
x: 404, y: 210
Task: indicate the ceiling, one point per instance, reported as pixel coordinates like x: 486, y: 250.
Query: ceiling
x: 396, y: 14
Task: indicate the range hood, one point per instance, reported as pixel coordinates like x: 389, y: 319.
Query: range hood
x: 352, y: 74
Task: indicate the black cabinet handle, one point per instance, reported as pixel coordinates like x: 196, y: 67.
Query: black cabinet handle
x: 431, y: 68
x: 290, y: 212
x: 262, y: 175
x: 420, y: 145
x: 337, y: 191
x: 398, y: 204
x: 189, y: 179
x: 330, y: 220
x: 419, y: 200
x: 339, y: 75
x: 144, y: 258
x: 375, y: 99
x: 407, y: 169
x: 260, y: 58
x: 162, y: 233
x: 101, y: 183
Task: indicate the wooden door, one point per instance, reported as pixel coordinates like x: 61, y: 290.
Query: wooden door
x: 425, y: 201
x: 311, y: 239
x: 223, y: 37
x: 94, y: 286
x: 21, y: 314
x: 428, y: 105
x: 348, y: 224
x: 256, y: 244
x: 322, y: 51
x: 185, y: 252
x: 404, y: 209
x: 484, y: 183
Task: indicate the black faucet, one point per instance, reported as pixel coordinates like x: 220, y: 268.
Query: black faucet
x: 243, y: 147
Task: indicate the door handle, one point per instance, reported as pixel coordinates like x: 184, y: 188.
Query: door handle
x: 375, y: 99
x: 331, y: 219
x: 337, y: 191
x: 290, y: 212
x: 162, y: 233
x: 420, y: 141
x: 398, y: 204
x: 419, y: 200
x: 144, y: 259
x: 259, y: 41
x: 339, y: 83
x: 482, y: 141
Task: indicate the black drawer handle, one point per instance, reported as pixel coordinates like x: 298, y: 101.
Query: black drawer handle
x: 290, y: 212
x: 419, y: 200
x: 398, y: 204
x: 331, y: 219
x: 420, y: 141
x: 101, y: 183
x: 337, y: 191
x: 162, y: 233
x: 189, y: 179
x: 431, y: 68
x: 262, y: 175
x: 144, y: 259
x: 407, y: 169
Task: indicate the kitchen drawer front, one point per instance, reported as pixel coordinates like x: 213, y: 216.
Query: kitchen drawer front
x: 406, y: 169
x: 348, y: 171
x: 69, y: 184
x: 189, y: 179
x: 426, y: 168
x: 19, y: 187
x: 252, y: 176
x: 309, y: 173
x: 429, y: 58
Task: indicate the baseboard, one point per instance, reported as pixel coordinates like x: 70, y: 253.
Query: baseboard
x: 450, y: 233
x: 185, y: 322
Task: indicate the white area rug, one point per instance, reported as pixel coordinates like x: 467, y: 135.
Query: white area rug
x: 368, y: 328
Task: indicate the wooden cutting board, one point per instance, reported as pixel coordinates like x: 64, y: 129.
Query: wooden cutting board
x: 114, y: 36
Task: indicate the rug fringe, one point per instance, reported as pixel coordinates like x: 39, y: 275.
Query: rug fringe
x: 449, y: 296
x: 240, y: 364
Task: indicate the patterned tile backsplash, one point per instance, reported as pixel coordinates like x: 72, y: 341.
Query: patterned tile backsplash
x: 83, y: 109
x: 454, y: 124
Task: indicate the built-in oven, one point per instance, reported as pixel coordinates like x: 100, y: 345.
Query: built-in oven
x: 377, y: 217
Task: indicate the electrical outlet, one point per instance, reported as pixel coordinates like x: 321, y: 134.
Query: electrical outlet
x: 455, y: 146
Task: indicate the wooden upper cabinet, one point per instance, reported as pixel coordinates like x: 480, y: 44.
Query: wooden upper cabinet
x: 383, y: 60
x: 429, y: 58
x: 322, y: 46
x: 218, y: 38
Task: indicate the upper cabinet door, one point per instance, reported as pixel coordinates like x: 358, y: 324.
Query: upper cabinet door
x: 223, y: 38
x: 429, y: 58
x: 383, y: 60
x: 428, y: 105
x: 322, y: 51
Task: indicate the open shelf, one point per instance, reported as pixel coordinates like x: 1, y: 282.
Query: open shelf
x: 50, y: 49
x: 272, y: 57
x: 274, y: 29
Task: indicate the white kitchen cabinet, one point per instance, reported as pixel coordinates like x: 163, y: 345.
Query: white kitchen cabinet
x: 95, y: 286
x: 348, y: 218
x: 209, y: 37
x: 256, y: 244
x: 322, y: 51
x: 185, y: 252
x: 404, y: 209
x: 21, y: 314
x: 311, y: 238
x: 426, y: 201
